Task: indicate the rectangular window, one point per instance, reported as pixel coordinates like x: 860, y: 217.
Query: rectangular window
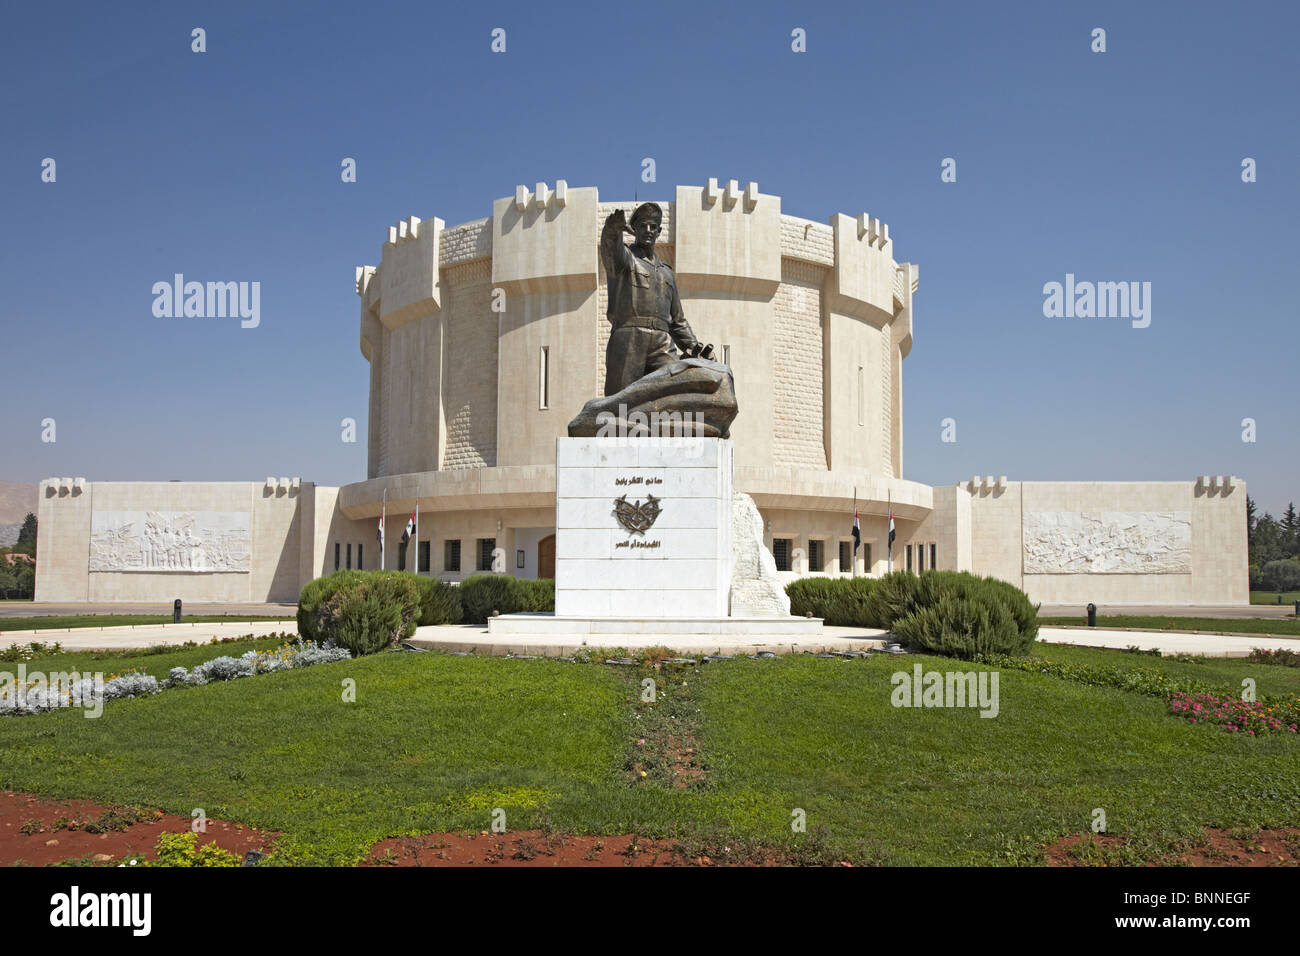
x: 866, y: 557
x: 519, y: 558
x: 931, y: 557
x: 424, y: 556
x: 361, y: 548
x: 781, y: 552
x: 816, y: 554
x: 451, y: 555
x: 862, y: 397
x: 349, y: 556
x: 401, y: 558
x: 337, y: 549
x: 846, y: 556
x: 920, y: 557
x: 726, y: 355
x: 485, y: 548
x: 909, y: 557
x: 544, y: 378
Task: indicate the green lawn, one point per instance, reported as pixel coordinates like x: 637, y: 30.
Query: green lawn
x: 122, y: 620
x: 1284, y: 627
x: 1270, y: 597
x: 435, y: 742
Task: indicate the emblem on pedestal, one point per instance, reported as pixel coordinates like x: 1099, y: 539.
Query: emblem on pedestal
x: 636, y: 516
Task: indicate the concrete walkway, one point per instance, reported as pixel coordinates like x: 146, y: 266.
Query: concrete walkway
x: 51, y: 609
x: 475, y: 639
x: 143, y: 635
x: 1175, y: 611
x: 1168, y: 642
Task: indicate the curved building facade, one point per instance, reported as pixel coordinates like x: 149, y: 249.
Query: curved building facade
x: 485, y: 339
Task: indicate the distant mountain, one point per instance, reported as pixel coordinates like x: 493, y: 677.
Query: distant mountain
x: 16, y: 499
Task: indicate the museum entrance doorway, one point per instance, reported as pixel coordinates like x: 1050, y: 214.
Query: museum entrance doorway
x: 546, y: 557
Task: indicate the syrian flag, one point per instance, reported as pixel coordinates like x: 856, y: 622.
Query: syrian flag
x: 857, y: 532
x: 891, y: 529
x: 380, y: 534
x: 409, y: 530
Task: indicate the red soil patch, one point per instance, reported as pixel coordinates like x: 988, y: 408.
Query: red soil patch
x: 1217, y: 847
x: 535, y: 848
x: 39, y: 830
x: 520, y: 848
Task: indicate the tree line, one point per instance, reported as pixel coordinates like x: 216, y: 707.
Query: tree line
x: 17, y: 575
x: 1274, y: 547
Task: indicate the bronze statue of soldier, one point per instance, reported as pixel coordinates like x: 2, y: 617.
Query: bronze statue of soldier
x: 644, y: 308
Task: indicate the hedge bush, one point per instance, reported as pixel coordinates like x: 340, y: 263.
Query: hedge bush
x: 368, y: 613
x: 533, y: 595
x: 941, y: 612
x: 893, y: 597
x: 481, y: 594
x: 958, y: 614
x: 840, y: 602
x: 439, y: 603
x: 317, y: 592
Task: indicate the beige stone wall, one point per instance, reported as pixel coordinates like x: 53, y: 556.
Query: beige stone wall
x: 469, y: 363
x: 1218, y: 540
x: 277, y: 525
x: 797, y: 366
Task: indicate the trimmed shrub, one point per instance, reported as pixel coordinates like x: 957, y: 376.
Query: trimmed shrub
x: 840, y: 602
x: 958, y: 614
x: 481, y: 594
x: 317, y: 592
x: 439, y: 603
x: 893, y: 597
x: 368, y: 615
x: 534, y: 596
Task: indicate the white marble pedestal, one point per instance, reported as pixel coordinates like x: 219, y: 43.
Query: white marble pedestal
x: 671, y: 577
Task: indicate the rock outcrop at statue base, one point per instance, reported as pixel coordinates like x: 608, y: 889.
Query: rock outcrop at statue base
x: 756, y: 588
x: 695, y: 397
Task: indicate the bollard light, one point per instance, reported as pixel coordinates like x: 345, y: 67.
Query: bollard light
x: 176, y: 611
x: 1092, y: 615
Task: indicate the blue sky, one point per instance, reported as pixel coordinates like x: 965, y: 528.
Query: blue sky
x: 1122, y: 166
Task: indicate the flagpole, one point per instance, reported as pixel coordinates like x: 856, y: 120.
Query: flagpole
x: 854, y: 559
x: 888, y: 537
x: 417, y: 537
x: 383, y: 515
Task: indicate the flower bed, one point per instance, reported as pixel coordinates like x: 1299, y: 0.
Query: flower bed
x: 1229, y: 713
x: 284, y: 657
x: 40, y: 696
x: 1196, y: 700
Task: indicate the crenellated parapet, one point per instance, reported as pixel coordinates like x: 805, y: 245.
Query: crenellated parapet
x: 728, y: 239
x: 862, y: 281
x: 545, y: 239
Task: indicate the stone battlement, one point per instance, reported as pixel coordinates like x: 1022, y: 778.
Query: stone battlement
x: 725, y: 237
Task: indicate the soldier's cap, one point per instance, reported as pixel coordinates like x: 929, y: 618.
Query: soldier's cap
x: 645, y: 211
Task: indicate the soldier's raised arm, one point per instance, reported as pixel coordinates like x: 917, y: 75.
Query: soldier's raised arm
x: 613, y: 251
